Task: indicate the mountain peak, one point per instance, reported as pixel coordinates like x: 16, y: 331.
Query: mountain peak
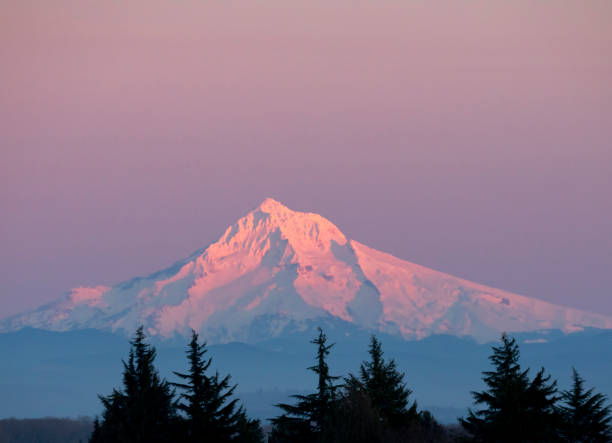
x: 269, y: 205
x: 303, y: 230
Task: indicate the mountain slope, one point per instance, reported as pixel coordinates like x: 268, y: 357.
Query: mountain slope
x: 278, y: 270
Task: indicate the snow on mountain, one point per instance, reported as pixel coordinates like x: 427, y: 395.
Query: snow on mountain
x: 278, y: 269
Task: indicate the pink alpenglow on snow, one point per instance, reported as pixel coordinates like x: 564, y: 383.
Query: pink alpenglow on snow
x: 90, y: 295
x: 276, y: 268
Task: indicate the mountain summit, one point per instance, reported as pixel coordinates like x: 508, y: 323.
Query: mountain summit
x: 278, y: 270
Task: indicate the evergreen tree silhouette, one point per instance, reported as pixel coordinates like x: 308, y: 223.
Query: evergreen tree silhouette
x: 309, y: 419
x: 356, y: 420
x: 384, y: 385
x: 96, y: 436
x: 211, y: 414
x: 585, y: 416
x: 248, y: 430
x: 144, y: 410
x: 540, y: 414
x: 517, y: 410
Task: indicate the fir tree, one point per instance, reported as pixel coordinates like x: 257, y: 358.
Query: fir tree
x: 541, y: 419
x: 585, y: 416
x: 309, y: 419
x: 384, y: 385
x: 144, y: 410
x: 516, y: 409
x: 96, y: 433
x: 211, y: 414
x: 356, y: 420
x: 248, y: 430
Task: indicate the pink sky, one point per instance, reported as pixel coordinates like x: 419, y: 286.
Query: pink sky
x: 474, y: 137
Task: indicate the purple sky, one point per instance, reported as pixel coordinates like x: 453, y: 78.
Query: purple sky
x: 474, y: 137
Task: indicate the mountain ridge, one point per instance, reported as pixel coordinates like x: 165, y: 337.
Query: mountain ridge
x: 277, y: 270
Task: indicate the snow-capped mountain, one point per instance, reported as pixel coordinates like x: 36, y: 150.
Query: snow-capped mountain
x: 277, y: 270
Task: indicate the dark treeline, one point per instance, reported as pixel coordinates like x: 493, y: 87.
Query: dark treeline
x: 516, y: 408
x: 149, y: 409
x: 45, y: 430
x: 373, y: 405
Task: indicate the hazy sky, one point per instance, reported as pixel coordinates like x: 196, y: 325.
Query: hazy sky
x: 471, y: 136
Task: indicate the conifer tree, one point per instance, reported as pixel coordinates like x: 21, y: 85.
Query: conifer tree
x: 516, y: 409
x: 96, y: 436
x: 211, y: 415
x: 356, y: 420
x: 384, y: 384
x: 585, y: 416
x: 144, y: 410
x: 309, y: 419
x: 540, y: 414
x: 248, y: 430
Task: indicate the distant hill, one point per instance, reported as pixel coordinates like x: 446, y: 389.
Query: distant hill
x: 45, y: 430
x: 45, y: 373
